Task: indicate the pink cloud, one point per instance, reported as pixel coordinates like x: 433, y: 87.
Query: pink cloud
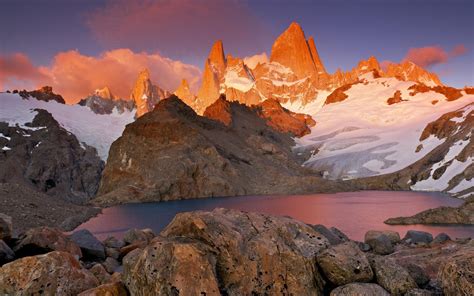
x: 177, y: 28
x: 433, y: 55
x: 16, y: 70
x: 74, y: 75
x: 458, y: 50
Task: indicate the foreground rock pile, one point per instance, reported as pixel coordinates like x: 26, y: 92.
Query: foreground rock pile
x: 228, y: 252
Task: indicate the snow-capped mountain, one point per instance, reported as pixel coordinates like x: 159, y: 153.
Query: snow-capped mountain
x: 102, y: 101
x: 379, y: 126
x: 98, y: 131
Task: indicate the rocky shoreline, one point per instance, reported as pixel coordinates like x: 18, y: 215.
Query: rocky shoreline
x: 229, y: 252
x: 463, y: 215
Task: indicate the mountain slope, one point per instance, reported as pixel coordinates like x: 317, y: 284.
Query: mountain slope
x: 98, y: 131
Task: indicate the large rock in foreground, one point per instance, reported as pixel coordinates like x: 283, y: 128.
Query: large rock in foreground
x: 177, y: 154
x: 55, y: 273
x: 247, y: 252
x: 457, y: 275
x: 359, y: 289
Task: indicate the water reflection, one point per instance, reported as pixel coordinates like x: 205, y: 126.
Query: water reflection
x: 352, y: 212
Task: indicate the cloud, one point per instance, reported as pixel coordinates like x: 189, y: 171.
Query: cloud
x: 17, y: 70
x: 433, y: 55
x: 74, y: 75
x: 177, y: 28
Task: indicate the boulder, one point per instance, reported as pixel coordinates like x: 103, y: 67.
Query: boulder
x: 127, y: 249
x: 360, y: 289
x: 418, y: 274
x: 112, y: 252
x: 392, y: 235
x: 98, y: 270
x: 6, y: 228
x: 6, y: 254
x: 345, y: 263
x: 441, y: 238
x: 168, y: 267
x: 42, y: 240
x: 111, y: 264
x: 55, y: 273
x: 380, y: 244
x: 418, y: 237
x: 331, y: 237
x: 112, y: 242
x: 110, y: 289
x: 91, y: 247
x: 457, y: 275
x: 339, y: 234
x: 256, y: 253
x: 135, y: 235
x: 392, y: 276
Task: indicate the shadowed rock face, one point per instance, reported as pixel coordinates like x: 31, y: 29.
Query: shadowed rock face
x: 177, y: 154
x: 101, y: 105
x: 43, y: 94
x: 46, y: 157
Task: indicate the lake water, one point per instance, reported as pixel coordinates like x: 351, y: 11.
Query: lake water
x: 352, y: 212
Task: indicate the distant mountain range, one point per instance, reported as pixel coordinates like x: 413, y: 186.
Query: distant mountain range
x: 394, y: 128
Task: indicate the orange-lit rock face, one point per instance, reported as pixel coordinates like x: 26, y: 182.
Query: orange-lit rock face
x: 220, y: 110
x: 284, y: 120
x: 409, y: 71
x: 291, y: 50
x: 184, y: 93
x: 145, y: 94
x: 451, y: 93
x: 397, y: 98
x: 338, y: 94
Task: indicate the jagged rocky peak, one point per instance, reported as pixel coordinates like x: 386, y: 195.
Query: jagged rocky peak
x: 369, y: 65
x: 184, y: 93
x: 292, y: 50
x: 217, y: 58
x: 145, y: 94
x: 314, y: 54
x: 104, y: 93
x: 409, y: 71
x: 213, y: 75
x: 44, y: 93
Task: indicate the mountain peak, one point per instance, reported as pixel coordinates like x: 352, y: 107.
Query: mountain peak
x: 217, y: 57
x: 292, y: 50
x: 104, y: 93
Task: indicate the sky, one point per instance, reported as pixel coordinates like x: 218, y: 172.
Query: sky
x: 80, y: 45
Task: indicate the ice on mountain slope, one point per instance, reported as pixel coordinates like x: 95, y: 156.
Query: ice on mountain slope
x: 364, y: 136
x: 95, y: 130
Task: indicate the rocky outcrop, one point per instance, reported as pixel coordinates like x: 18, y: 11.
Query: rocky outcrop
x: 457, y: 275
x: 102, y: 101
x: 392, y: 276
x: 283, y: 120
x: 254, y: 253
x: 42, y: 240
x: 409, y: 71
x: 463, y: 214
x: 397, y: 98
x: 450, y: 93
x: 145, y: 94
x: 90, y: 246
x: 338, y: 94
x: 245, y: 158
x: 44, y: 156
x: 55, y: 273
x: 43, y: 94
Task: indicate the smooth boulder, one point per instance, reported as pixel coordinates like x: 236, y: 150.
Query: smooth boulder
x: 380, y: 244
x: 90, y: 246
x: 441, y: 238
x: 42, y: 240
x: 392, y: 276
x: 359, y: 289
x: 55, y: 273
x: 345, y: 263
x: 392, y: 235
x: 418, y: 237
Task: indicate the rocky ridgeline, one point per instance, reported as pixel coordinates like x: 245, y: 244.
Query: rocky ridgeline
x: 232, y: 150
x: 44, y: 156
x: 228, y: 252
